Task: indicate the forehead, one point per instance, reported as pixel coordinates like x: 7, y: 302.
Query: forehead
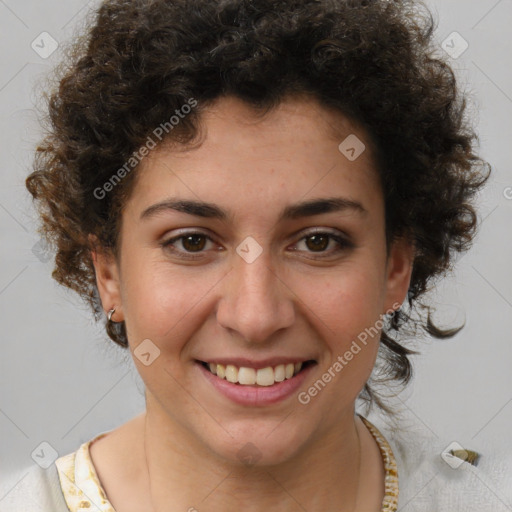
x: 299, y: 117
x: 297, y: 151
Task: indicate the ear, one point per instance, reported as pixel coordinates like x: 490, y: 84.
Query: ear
x: 398, y: 272
x: 107, y: 278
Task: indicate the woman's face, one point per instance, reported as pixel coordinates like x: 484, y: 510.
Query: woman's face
x: 258, y: 280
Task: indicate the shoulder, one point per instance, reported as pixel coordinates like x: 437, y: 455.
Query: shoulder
x: 35, y: 489
x: 60, y: 487
x: 431, y: 477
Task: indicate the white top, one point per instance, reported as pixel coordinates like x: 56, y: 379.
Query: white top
x: 427, y: 481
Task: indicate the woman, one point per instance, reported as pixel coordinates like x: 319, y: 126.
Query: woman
x: 257, y: 195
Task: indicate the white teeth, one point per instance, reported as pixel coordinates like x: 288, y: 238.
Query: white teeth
x: 250, y: 376
x: 279, y: 373
x: 247, y: 376
x: 231, y: 373
x: 265, y: 376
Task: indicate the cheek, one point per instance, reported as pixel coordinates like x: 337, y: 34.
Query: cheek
x: 348, y: 315
x: 350, y: 328
x: 161, y: 301
x: 351, y: 300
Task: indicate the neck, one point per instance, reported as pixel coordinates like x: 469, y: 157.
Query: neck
x: 182, y: 471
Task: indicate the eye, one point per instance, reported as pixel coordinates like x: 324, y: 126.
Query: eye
x: 193, y: 242
x: 319, y: 241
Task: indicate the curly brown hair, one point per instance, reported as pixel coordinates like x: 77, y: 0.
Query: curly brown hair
x: 374, y: 61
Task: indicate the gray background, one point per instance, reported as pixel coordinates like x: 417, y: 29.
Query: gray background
x: 62, y: 382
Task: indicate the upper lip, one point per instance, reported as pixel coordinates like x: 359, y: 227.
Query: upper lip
x: 250, y: 363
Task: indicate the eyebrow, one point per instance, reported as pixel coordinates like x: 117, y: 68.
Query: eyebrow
x: 291, y: 212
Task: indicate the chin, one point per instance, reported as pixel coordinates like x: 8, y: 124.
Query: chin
x: 260, y: 443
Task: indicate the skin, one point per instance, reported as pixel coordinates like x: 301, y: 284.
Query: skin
x: 289, y: 301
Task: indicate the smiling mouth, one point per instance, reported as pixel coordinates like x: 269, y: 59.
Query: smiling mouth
x: 246, y: 376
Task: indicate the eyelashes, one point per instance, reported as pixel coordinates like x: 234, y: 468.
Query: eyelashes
x: 194, y: 244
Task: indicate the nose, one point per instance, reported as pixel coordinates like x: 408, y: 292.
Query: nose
x: 256, y: 302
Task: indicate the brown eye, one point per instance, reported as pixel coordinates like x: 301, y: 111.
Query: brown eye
x: 193, y: 243
x: 189, y: 245
x: 318, y: 242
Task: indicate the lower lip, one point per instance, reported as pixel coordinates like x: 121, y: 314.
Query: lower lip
x: 257, y: 395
